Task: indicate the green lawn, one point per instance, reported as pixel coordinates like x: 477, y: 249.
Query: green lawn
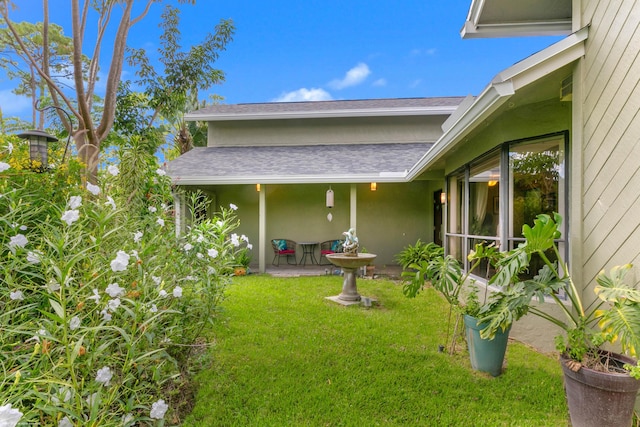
x: 286, y: 356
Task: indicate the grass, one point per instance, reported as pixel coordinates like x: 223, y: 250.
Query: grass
x: 286, y: 356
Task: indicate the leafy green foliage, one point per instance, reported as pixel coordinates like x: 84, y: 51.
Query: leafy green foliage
x: 101, y: 307
x: 414, y: 254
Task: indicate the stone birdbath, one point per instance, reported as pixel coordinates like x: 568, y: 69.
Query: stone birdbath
x: 349, y: 261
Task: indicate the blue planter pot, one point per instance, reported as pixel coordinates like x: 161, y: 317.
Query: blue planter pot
x: 486, y: 355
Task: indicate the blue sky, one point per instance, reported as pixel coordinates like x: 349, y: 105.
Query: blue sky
x: 331, y: 49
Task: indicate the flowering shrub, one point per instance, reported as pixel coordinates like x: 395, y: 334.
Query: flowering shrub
x: 99, y: 309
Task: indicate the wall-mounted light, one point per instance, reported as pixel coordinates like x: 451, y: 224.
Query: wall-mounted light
x: 374, y: 186
x: 258, y: 188
x: 492, y: 183
x: 38, y: 141
x: 443, y: 197
x: 329, y: 198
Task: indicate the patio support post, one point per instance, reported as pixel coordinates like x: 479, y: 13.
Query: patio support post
x: 262, y: 229
x: 179, y: 209
x: 353, y: 207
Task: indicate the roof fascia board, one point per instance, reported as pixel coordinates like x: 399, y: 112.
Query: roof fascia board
x: 300, y: 179
x: 472, y: 30
x: 389, y: 112
x: 501, y: 88
x: 545, y: 61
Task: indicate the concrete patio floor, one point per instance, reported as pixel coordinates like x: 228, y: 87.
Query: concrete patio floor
x: 287, y: 270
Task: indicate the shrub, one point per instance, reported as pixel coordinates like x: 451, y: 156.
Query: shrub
x: 99, y: 307
x: 417, y: 253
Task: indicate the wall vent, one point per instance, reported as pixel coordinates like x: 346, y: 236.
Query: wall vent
x: 566, y: 89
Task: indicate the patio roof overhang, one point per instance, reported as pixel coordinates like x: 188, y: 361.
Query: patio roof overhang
x: 472, y: 113
x: 509, y: 18
x: 338, y: 163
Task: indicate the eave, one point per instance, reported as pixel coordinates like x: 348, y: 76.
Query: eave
x: 499, y: 91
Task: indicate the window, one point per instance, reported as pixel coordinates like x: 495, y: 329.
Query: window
x: 491, y: 198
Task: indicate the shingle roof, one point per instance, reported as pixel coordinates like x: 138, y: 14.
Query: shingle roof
x: 350, y: 108
x: 296, y: 164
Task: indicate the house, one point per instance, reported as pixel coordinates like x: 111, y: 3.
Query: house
x: 558, y: 131
x: 298, y: 151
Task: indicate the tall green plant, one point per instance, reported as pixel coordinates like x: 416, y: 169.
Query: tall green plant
x: 99, y: 309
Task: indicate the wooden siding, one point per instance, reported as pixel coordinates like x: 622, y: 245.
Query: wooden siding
x: 326, y: 131
x: 611, y: 129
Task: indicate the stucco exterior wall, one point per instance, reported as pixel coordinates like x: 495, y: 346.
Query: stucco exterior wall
x: 325, y: 131
x: 610, y: 103
x: 387, y: 220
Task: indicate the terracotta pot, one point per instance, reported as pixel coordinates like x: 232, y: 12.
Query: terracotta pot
x: 600, y: 398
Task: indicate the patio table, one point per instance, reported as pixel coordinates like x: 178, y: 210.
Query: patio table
x: 308, y: 249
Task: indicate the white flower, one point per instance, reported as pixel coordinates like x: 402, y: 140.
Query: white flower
x: 113, y: 170
x: 234, y: 240
x: 53, y: 286
x: 192, y: 278
x: 200, y: 239
x: 10, y: 147
x: 111, y: 202
x: 113, y: 304
x: 188, y: 246
x: 153, y: 209
x: 158, y: 409
x: 160, y: 172
x: 63, y: 392
x: 104, y: 375
x: 154, y: 308
x: 23, y: 227
x: 65, y: 422
x: 16, y: 295
x: 137, y: 236
x: 106, y: 316
x: 213, y: 253
x: 9, y: 417
x: 114, y: 290
x: 75, y: 323
x: 134, y: 254
x: 160, y: 222
x: 33, y: 257
x: 164, y: 206
x: 162, y: 293
x: 95, y: 296
x: 121, y: 262
x: 249, y: 246
x: 4, y: 166
x: 177, y: 292
x: 233, y: 207
x: 18, y: 240
x: 199, y: 255
x: 93, y: 189
x: 75, y: 202
x: 70, y: 216
x: 157, y: 280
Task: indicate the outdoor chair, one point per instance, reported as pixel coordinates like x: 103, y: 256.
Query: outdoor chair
x: 329, y: 247
x: 283, y: 247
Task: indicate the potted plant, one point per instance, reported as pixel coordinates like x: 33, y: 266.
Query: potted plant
x: 600, y: 385
x: 446, y: 275
x: 242, y: 261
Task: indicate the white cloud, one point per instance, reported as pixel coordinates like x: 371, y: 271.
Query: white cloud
x: 354, y: 76
x: 12, y: 104
x: 380, y: 82
x: 304, y: 94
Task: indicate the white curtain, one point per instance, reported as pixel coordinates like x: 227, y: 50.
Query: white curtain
x: 482, y: 195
